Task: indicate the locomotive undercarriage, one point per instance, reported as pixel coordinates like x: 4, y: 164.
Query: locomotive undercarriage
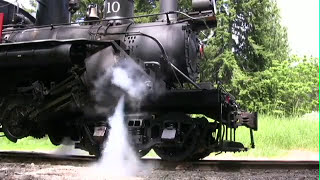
x: 176, y: 133
x: 173, y: 135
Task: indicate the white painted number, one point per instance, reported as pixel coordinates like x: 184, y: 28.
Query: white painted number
x: 114, y: 7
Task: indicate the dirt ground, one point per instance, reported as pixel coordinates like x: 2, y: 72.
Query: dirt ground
x: 13, y: 171
x: 302, y: 155
x: 75, y: 171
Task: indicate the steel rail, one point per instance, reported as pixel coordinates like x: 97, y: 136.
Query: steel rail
x: 205, y: 165
x: 17, y: 156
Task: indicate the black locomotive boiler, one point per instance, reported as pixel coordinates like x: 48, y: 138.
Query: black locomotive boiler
x: 49, y: 66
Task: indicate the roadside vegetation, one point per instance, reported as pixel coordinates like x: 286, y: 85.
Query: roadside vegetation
x: 277, y: 136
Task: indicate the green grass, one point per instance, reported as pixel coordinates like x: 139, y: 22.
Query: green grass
x: 276, y: 136
x: 27, y: 144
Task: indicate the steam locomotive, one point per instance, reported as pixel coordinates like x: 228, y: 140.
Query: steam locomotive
x: 49, y: 66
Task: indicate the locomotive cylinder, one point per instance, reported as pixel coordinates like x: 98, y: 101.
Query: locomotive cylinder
x: 52, y: 12
x: 119, y: 9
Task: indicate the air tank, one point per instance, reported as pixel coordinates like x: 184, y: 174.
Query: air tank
x: 119, y: 9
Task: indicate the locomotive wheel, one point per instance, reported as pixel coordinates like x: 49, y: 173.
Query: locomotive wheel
x: 200, y: 155
x: 183, y: 153
x: 38, y: 134
x: 14, y: 124
x: 12, y: 132
x: 203, y: 151
x: 55, y: 140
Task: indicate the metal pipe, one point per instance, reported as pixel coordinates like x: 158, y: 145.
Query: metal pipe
x: 22, y: 58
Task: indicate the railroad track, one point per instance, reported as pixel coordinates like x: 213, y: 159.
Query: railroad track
x: 30, y: 157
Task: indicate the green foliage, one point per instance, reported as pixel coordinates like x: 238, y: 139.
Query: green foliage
x: 249, y: 54
x: 248, y: 37
x: 261, y: 38
x: 185, y: 5
x: 288, y: 87
x: 139, y: 10
x: 145, y: 6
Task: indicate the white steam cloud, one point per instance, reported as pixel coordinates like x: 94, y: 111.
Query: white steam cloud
x: 67, y: 149
x: 125, y: 82
x: 125, y: 78
x: 118, y: 158
x: 121, y: 78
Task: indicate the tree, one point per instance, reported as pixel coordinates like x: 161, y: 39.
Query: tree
x: 289, y: 87
x: 261, y: 38
x: 145, y: 6
x: 248, y: 38
x: 184, y: 5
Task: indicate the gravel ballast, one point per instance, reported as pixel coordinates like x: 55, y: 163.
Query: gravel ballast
x: 73, y: 171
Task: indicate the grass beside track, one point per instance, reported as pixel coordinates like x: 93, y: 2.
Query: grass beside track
x: 274, y: 138
x: 27, y: 144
